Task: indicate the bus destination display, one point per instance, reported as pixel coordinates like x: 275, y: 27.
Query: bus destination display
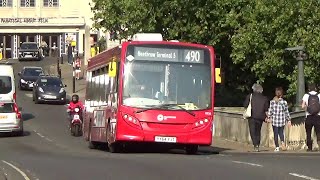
x: 169, y: 55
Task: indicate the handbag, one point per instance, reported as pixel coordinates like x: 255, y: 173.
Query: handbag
x: 247, y: 112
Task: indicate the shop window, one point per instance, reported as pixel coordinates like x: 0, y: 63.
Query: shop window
x: 50, y: 3
x: 27, y: 3
x: 5, y: 3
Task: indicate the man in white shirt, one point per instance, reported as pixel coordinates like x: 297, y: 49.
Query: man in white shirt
x: 312, y: 114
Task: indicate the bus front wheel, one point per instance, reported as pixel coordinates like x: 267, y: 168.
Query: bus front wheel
x: 115, y: 147
x: 191, y: 149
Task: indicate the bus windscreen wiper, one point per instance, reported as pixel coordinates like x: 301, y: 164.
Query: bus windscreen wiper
x: 166, y: 106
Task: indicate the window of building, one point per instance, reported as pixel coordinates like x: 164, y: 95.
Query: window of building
x: 5, y: 3
x: 50, y: 3
x: 27, y: 3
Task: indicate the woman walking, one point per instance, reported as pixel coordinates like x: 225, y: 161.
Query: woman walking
x: 259, y: 108
x: 278, y: 115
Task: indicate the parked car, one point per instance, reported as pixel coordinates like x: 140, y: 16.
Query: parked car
x: 10, y: 118
x: 28, y: 76
x: 29, y: 51
x: 49, y: 89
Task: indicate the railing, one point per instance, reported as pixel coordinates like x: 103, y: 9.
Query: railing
x: 230, y: 125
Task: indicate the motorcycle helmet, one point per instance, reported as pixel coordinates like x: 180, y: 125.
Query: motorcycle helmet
x: 75, y: 98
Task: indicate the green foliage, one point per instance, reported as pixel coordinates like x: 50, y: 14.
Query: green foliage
x: 249, y: 35
x: 102, y: 43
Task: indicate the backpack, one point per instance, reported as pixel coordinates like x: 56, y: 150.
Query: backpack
x: 313, y: 104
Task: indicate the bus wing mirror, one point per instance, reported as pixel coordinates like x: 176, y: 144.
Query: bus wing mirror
x: 112, y: 69
x: 218, y: 75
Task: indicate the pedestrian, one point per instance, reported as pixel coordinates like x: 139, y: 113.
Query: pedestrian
x: 278, y: 115
x: 78, y: 67
x: 259, y: 109
x: 70, y: 54
x: 311, y: 104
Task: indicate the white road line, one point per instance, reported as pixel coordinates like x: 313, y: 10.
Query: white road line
x: 251, y: 164
x: 302, y: 176
x: 40, y: 135
x: 29, y: 95
x: 48, y: 139
x: 17, y: 169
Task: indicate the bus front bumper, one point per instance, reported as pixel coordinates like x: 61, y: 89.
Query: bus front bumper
x: 201, y: 136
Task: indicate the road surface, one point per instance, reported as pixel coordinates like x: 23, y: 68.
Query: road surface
x: 47, y: 151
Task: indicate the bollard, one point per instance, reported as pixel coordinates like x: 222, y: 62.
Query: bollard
x: 61, y: 59
x: 58, y: 66
x: 59, y: 73
x: 74, y: 76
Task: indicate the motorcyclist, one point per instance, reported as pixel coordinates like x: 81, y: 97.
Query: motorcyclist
x: 74, y: 104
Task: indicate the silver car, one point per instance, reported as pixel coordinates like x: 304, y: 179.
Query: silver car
x: 10, y: 118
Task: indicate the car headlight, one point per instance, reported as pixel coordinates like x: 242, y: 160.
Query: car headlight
x: 41, y: 90
x: 61, y: 90
x: 23, y: 81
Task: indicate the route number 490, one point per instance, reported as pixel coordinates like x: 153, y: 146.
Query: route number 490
x: 193, y: 56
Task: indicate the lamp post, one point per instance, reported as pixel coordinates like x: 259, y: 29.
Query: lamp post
x: 300, y: 56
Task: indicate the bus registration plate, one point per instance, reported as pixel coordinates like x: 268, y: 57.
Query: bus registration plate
x: 165, y: 139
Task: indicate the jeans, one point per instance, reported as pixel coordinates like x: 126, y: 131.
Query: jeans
x: 312, y: 121
x: 255, y: 131
x: 70, y: 59
x: 278, y: 132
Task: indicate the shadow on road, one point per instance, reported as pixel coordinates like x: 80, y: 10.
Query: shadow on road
x: 162, y: 149
x: 27, y: 116
x: 11, y: 135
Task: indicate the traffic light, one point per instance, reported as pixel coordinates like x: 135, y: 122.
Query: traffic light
x: 218, y: 75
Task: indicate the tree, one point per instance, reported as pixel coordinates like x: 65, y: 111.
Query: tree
x: 250, y: 35
x: 268, y: 27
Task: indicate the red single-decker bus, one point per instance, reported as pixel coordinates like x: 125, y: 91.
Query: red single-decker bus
x: 150, y: 90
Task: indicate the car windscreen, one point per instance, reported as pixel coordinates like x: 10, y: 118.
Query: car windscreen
x: 6, y: 107
x: 5, y: 84
x: 29, y: 46
x: 32, y: 72
x: 50, y: 82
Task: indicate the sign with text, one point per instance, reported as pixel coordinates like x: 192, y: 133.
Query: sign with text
x: 24, y: 20
x: 169, y: 55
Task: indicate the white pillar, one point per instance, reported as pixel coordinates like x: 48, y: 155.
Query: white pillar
x: 87, y: 44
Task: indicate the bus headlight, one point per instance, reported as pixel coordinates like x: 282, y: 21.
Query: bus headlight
x: 200, y: 123
x: 132, y: 121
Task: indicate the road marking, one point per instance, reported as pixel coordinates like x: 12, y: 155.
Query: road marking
x: 42, y: 136
x: 29, y: 95
x: 251, y: 164
x: 48, y: 139
x: 17, y: 169
x: 302, y: 176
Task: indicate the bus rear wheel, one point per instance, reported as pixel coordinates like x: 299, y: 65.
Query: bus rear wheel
x: 191, y: 149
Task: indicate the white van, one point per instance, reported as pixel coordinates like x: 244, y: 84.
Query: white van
x: 7, y: 83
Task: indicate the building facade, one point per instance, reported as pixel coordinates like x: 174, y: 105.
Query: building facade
x: 57, y: 22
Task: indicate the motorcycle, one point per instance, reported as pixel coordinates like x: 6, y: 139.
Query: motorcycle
x: 76, y: 122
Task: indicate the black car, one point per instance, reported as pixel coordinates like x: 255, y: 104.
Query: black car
x: 29, y: 50
x: 49, y: 89
x: 28, y: 76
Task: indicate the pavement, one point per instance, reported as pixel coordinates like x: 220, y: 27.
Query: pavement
x: 48, y: 151
x: 67, y: 77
